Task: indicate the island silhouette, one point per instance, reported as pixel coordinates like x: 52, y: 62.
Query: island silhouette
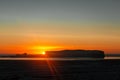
x: 77, y: 53
x: 64, y: 54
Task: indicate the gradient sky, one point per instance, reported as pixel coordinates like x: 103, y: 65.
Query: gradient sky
x: 26, y: 25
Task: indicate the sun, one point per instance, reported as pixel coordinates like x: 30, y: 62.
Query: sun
x: 42, y: 49
x: 43, y: 52
x: 39, y: 52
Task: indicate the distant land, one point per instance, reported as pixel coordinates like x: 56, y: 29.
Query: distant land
x: 77, y: 53
x: 64, y: 54
x: 112, y: 55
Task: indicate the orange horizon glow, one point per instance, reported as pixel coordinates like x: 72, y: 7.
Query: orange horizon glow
x: 42, y: 49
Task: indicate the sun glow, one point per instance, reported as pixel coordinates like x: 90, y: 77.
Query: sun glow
x: 43, y: 53
x: 42, y: 49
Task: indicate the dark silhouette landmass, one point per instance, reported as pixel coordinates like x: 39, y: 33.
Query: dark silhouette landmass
x: 113, y: 55
x: 64, y: 54
x: 77, y: 53
x: 24, y: 55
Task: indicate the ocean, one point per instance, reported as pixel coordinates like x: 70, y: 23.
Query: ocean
x: 60, y: 68
x: 106, y: 58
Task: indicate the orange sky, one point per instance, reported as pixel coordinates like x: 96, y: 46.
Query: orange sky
x: 28, y: 26
x: 31, y: 38
x: 38, y: 48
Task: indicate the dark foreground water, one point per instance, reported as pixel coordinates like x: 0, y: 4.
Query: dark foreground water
x: 49, y: 69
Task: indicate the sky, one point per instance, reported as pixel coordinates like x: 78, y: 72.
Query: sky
x: 35, y: 25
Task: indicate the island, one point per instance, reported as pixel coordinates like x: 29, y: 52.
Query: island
x: 77, y: 53
x: 64, y: 54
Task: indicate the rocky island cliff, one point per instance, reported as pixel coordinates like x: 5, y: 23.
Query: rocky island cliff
x: 77, y: 53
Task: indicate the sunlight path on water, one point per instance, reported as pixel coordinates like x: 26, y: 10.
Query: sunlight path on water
x: 53, y: 69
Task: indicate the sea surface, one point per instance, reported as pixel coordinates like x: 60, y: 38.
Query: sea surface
x: 61, y: 59
x: 60, y: 68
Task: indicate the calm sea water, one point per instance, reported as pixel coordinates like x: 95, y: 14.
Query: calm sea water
x: 59, y: 58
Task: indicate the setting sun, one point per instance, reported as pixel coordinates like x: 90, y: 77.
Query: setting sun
x: 42, y: 49
x: 43, y: 53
